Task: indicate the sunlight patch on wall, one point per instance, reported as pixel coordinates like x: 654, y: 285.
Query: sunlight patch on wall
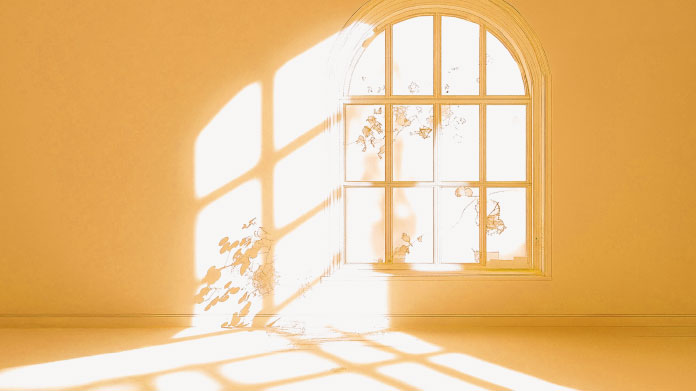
x: 221, y: 218
x: 299, y: 101
x: 348, y: 306
x: 230, y: 144
x: 300, y: 181
x: 226, y: 217
x: 301, y: 256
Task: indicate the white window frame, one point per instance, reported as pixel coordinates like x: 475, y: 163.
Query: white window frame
x: 501, y: 20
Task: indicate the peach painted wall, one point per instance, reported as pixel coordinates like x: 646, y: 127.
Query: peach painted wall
x: 101, y: 106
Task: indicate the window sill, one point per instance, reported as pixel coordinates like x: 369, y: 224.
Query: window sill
x: 432, y: 272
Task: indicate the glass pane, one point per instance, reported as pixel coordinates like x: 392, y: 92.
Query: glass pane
x: 368, y: 74
x: 365, y: 225
x: 412, y: 44
x: 413, y: 143
x: 460, y: 57
x: 506, y: 224
x: 503, y: 76
x: 365, y: 143
x: 458, y: 224
x: 459, y: 143
x: 506, y: 143
x: 412, y: 239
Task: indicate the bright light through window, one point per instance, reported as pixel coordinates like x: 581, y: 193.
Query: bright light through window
x: 437, y: 162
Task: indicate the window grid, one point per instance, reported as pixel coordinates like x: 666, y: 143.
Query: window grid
x: 437, y: 100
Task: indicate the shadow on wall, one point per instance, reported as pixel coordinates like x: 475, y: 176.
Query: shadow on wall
x: 261, y: 177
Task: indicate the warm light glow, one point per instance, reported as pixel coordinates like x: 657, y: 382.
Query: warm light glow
x: 506, y: 143
x: 413, y: 56
x: 186, y: 380
x: 368, y: 74
x: 198, y: 331
x: 300, y: 258
x: 235, y: 285
x: 281, y: 188
x: 348, y: 306
x: 300, y: 181
x: 299, y: 94
x: 424, y: 378
x: 312, y: 359
x: 119, y: 386
x: 215, y: 222
x: 356, y: 352
x: 224, y: 218
x: 230, y: 144
x: 460, y: 56
x: 274, y: 367
x: 504, y: 76
x: 493, y: 373
x: 85, y: 370
x: 403, y: 342
x: 342, y: 382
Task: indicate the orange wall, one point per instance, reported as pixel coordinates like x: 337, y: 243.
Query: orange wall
x: 101, y: 106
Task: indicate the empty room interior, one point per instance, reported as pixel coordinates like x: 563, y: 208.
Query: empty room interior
x: 351, y: 195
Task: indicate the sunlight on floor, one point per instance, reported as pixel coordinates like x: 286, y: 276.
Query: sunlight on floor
x: 321, y: 359
x: 491, y: 372
x: 137, y: 362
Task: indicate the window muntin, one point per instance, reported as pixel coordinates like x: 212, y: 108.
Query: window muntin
x: 426, y: 149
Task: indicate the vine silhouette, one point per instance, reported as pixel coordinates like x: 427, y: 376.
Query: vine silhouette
x: 494, y: 224
x: 243, y: 275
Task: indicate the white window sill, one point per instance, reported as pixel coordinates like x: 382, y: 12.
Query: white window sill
x: 432, y: 272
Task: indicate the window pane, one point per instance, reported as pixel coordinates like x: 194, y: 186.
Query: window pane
x: 460, y: 56
x: 364, y: 143
x: 459, y: 143
x: 506, y: 224
x: 412, y: 43
x: 412, y: 239
x: 458, y: 224
x: 503, y: 75
x: 368, y: 75
x: 365, y: 225
x: 413, y: 143
x: 506, y: 146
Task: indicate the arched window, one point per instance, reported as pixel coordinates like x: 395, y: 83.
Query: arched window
x: 442, y: 121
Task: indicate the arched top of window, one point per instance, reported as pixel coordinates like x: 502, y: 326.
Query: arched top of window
x: 467, y: 50
x: 445, y: 40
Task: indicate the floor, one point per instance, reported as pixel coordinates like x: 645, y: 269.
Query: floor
x: 472, y: 358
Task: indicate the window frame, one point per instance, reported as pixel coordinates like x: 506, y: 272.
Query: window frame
x: 508, y: 27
